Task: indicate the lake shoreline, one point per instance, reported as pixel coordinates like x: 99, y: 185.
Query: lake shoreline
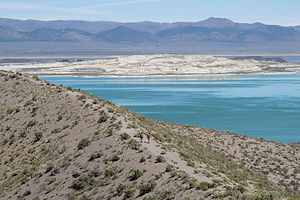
x: 166, y: 75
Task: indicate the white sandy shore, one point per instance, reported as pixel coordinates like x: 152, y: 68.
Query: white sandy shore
x: 156, y: 65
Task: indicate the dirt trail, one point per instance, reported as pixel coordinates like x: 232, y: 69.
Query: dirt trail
x: 174, y: 159
x: 171, y: 157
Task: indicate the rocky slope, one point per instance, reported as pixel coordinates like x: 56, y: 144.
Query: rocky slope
x: 156, y: 65
x: 58, y: 143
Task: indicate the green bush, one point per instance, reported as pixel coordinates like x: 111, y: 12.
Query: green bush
x: 95, y: 156
x: 26, y: 193
x: 192, y: 183
x: 17, y: 109
x: 146, y: 188
x: 94, y: 173
x: 82, y: 182
x: 8, y: 128
x: 156, y: 198
x: 125, y: 136
x: 109, y: 132
x: 5, y: 141
x: 103, y: 118
x: 135, y: 145
x: 83, y: 143
x: 135, y: 174
x: 76, y: 173
x: 54, y: 171
x: 203, y: 186
x: 191, y: 163
x: 34, y: 111
x: 60, y: 117
x: 120, y: 189
x: 56, y: 130
x: 115, y: 158
x: 36, y: 78
x: 128, y: 193
x: 31, y: 123
x: 81, y: 97
x: 23, y: 134
x: 9, y: 111
x: 240, y: 188
x: 12, y: 76
x: 207, y: 185
x: 169, y: 168
x: 97, y: 132
x: 109, y: 173
x: 160, y: 159
x: 142, y: 159
x: 38, y: 136
x: 12, y: 139
x: 49, y: 167
x: 110, y: 110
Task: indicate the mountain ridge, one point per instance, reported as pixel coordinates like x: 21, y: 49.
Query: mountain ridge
x: 211, y: 29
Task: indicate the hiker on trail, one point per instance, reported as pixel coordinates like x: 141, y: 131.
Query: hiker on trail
x: 141, y: 136
x: 149, y: 137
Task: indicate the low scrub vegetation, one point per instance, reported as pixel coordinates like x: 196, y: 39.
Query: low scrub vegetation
x: 135, y: 174
x: 83, y: 143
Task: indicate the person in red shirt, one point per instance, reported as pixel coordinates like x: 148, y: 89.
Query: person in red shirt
x: 149, y: 137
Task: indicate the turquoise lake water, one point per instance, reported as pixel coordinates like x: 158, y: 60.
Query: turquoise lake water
x: 265, y: 106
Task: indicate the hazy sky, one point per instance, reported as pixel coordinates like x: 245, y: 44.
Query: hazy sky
x: 284, y: 12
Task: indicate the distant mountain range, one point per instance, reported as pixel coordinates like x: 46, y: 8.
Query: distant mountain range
x: 209, y: 30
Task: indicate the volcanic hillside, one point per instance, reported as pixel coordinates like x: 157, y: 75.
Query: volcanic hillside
x: 61, y: 143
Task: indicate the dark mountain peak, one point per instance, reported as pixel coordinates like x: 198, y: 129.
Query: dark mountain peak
x: 125, y: 34
x: 213, y: 22
x: 258, y: 23
x: 123, y: 28
x: 148, y: 22
x: 218, y: 19
x: 30, y: 20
